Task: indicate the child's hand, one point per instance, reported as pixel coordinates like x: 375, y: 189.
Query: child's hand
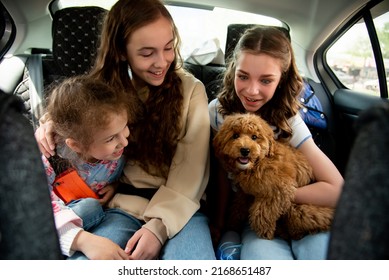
x: 95, y: 247
x: 143, y: 245
x: 44, y: 136
x: 106, y: 194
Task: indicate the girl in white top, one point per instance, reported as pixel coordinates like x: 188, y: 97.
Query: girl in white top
x: 262, y: 78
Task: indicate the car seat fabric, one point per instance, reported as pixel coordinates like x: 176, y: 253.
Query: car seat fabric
x: 76, y: 34
x: 210, y: 75
x: 27, y: 228
x: 360, y: 228
x: 22, y: 91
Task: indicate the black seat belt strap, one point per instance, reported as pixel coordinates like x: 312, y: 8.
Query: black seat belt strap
x: 36, y: 87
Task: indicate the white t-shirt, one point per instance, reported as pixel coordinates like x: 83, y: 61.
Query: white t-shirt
x: 300, y: 131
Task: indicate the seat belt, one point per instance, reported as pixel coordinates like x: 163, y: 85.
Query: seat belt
x: 36, y: 88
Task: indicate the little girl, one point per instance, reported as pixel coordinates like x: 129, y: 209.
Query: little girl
x: 91, y: 123
x: 262, y: 78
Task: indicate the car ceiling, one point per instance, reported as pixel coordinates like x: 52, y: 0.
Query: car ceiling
x: 308, y: 19
x: 311, y: 21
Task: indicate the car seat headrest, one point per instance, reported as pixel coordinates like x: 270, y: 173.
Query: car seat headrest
x: 76, y: 34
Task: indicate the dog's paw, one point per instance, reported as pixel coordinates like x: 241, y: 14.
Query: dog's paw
x: 308, y: 219
x: 262, y: 221
x: 266, y: 234
x: 262, y: 228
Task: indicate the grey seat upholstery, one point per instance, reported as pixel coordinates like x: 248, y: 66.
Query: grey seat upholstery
x: 361, y: 226
x: 27, y: 228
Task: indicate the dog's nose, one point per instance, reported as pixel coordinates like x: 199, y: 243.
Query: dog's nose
x: 244, y: 151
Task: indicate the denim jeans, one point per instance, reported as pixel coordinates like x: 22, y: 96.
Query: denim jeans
x: 89, y: 210
x: 311, y: 247
x: 193, y: 242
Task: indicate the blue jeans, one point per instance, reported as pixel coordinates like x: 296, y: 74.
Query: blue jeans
x: 311, y: 247
x: 193, y: 242
x: 89, y: 210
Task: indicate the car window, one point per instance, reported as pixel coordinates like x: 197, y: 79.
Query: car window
x: 351, y: 58
x: 197, y: 26
x: 7, y: 31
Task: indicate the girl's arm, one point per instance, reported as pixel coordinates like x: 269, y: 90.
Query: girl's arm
x: 97, y: 248
x: 329, y: 182
x: 67, y: 223
x: 73, y: 238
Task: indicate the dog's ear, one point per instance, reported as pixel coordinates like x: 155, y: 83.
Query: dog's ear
x: 271, y: 147
x: 218, y: 141
x: 268, y: 133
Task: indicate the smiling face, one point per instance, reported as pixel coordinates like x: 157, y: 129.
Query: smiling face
x: 256, y: 79
x: 150, y: 52
x: 107, y: 141
x: 242, y: 141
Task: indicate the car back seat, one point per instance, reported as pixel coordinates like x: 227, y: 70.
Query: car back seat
x: 76, y: 34
x: 210, y: 75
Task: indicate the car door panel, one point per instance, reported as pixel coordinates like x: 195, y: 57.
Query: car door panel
x: 348, y: 104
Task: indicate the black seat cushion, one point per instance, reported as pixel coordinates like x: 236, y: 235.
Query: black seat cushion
x: 76, y: 33
x: 211, y: 75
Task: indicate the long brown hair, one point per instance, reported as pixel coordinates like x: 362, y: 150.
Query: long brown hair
x: 284, y: 104
x: 156, y: 132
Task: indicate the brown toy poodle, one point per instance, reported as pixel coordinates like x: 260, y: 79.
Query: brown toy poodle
x: 266, y: 173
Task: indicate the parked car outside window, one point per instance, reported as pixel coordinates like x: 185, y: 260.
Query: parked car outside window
x: 352, y: 59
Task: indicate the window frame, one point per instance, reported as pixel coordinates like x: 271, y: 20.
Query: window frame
x: 8, y: 32
x: 324, y: 71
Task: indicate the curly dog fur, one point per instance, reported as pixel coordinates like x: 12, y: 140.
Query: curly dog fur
x: 266, y: 173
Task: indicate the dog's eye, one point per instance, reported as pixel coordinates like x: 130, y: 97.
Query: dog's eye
x: 235, y: 136
x: 254, y: 137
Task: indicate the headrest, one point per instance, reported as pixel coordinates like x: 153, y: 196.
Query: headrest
x: 76, y: 34
x: 236, y: 30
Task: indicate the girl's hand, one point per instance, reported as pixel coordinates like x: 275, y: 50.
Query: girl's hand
x: 143, y: 245
x: 44, y: 136
x: 98, y: 248
x: 106, y: 194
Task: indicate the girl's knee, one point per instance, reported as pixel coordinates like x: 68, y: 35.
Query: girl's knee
x: 312, y: 247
